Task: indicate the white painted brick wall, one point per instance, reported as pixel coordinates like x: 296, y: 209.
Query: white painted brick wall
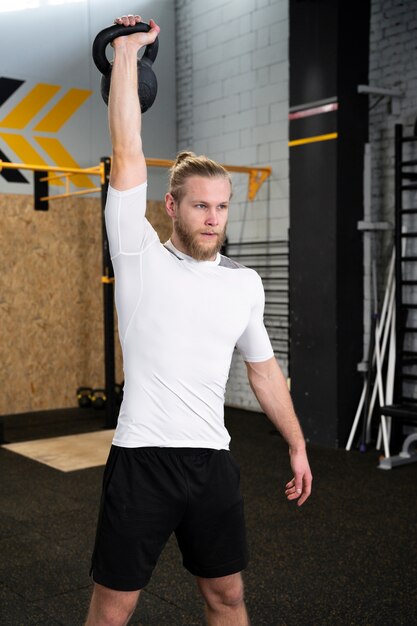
x: 232, y: 61
x: 183, y: 24
x: 392, y: 64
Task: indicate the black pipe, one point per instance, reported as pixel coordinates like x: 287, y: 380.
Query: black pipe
x: 398, y: 262
x: 278, y: 242
x: 108, y: 306
x: 238, y: 255
x: 2, y: 437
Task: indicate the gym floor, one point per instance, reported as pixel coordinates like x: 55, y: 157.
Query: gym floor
x: 347, y: 557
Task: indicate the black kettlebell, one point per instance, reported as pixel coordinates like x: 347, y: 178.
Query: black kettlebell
x: 84, y: 397
x: 147, y: 82
x: 98, y: 398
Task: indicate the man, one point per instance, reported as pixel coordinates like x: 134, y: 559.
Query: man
x: 182, y: 308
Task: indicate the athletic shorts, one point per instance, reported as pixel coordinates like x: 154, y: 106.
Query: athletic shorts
x: 149, y: 493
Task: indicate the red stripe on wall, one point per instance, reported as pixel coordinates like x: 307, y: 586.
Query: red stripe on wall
x: 325, y: 108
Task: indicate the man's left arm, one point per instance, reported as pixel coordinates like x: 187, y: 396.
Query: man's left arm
x: 271, y: 390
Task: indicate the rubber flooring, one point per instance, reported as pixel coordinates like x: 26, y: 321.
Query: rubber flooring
x: 347, y: 557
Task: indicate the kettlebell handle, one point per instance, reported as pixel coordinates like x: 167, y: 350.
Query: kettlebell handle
x: 107, y: 35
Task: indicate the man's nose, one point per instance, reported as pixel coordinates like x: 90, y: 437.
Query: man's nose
x: 212, y: 217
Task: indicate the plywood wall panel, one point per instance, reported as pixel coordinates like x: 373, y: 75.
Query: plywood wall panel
x: 51, y: 311
x: 159, y: 219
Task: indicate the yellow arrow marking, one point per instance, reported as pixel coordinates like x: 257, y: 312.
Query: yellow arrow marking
x: 27, y: 108
x: 62, y: 111
x: 22, y: 148
x: 59, y: 154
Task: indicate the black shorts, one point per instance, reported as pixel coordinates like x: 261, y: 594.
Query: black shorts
x: 148, y: 493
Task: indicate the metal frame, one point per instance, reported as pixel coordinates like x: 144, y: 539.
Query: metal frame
x: 256, y: 255
x: 257, y: 175
x: 402, y: 407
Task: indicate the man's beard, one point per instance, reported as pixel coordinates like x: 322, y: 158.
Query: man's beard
x: 189, y: 240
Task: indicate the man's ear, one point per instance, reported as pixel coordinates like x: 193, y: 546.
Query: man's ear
x: 170, y: 205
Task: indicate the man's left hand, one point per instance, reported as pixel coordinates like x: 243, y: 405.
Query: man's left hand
x: 299, y: 488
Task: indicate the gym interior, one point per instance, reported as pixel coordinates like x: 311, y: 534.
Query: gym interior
x: 312, y: 107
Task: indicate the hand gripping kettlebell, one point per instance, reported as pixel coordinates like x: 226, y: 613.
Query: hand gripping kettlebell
x: 147, y: 82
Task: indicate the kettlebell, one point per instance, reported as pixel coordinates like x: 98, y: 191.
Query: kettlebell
x: 84, y: 397
x: 147, y: 83
x: 98, y: 398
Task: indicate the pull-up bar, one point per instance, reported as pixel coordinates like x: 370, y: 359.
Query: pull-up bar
x: 257, y: 176
x: 97, y: 169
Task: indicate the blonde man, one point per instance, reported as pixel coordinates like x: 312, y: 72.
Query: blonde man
x: 182, y: 309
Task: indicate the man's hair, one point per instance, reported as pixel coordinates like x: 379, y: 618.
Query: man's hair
x: 188, y: 164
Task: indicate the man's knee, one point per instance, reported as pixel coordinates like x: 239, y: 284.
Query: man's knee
x: 222, y: 592
x: 231, y: 597
x: 111, y: 608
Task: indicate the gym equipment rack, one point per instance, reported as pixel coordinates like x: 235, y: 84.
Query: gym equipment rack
x: 403, y: 410
x: 271, y: 260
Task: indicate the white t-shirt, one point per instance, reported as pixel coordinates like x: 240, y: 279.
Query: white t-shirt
x: 179, y: 322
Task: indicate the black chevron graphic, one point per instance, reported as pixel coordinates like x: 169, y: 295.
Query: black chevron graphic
x: 7, y: 87
x: 12, y: 176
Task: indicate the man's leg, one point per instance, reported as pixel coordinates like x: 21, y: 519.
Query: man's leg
x: 111, y: 608
x: 225, y: 605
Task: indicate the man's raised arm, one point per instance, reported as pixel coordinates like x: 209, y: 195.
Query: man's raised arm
x: 128, y: 162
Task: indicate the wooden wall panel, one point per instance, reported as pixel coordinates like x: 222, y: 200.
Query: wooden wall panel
x: 51, y: 312
x: 159, y: 219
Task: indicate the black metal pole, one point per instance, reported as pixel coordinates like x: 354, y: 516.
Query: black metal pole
x: 398, y: 262
x: 108, y: 304
x: 2, y: 437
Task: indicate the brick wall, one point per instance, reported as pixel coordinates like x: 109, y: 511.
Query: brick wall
x: 184, y: 82
x: 232, y: 63
x: 232, y: 103
x: 392, y: 64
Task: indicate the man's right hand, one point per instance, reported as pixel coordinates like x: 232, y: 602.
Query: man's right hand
x: 139, y: 40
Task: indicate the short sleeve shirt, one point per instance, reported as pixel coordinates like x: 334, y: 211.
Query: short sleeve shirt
x: 179, y: 322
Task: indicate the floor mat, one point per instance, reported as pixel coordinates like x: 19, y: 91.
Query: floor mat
x: 69, y: 453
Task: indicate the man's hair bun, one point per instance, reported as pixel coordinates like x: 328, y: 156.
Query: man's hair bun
x: 188, y: 164
x: 183, y: 156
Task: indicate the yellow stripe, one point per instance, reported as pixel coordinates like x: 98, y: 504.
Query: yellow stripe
x: 23, y: 149
x: 299, y: 142
x: 62, y: 111
x: 27, y: 108
x: 59, y: 154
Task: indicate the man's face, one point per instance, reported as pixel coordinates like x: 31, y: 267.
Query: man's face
x: 200, y: 220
